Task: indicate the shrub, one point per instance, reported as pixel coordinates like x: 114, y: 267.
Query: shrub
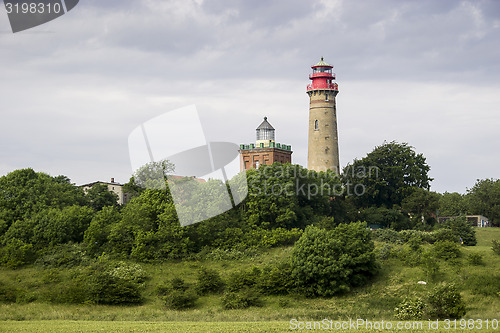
x: 496, y: 246
x: 242, y: 299
x: 445, y: 235
x: 180, y: 299
x: 462, y: 229
x: 429, y: 265
x: 239, y: 280
x: 8, y: 294
x: 16, y: 253
x: 208, y: 281
x: 178, y: 284
x: 410, y: 257
x: 475, y: 259
x: 325, y: 263
x: 487, y: 284
x: 386, y: 251
x: 446, y: 302
x: 108, y: 289
x: 446, y: 250
x: 410, y: 309
x: 276, y: 279
x: 387, y: 236
x: 63, y: 255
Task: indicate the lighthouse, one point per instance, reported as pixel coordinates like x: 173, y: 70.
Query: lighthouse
x: 265, y: 151
x: 323, y: 145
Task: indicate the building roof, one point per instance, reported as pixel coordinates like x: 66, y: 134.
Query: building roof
x: 322, y: 63
x: 265, y: 125
x: 100, y: 182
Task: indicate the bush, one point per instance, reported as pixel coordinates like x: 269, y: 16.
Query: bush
x: 445, y: 235
x: 410, y: 309
x: 180, y: 299
x: 462, y: 229
x: 385, y: 252
x: 63, y: 255
x: 109, y: 289
x: 325, y: 263
x: 446, y: 250
x: 178, y: 284
x: 8, y: 294
x: 446, y: 303
x: 387, y: 236
x: 429, y: 265
x: 475, y: 259
x: 208, y: 281
x: 496, y: 246
x: 240, y: 280
x: 242, y: 299
x: 486, y: 285
x: 16, y: 253
x: 276, y: 279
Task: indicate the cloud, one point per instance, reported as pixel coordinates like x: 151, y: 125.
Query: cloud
x: 423, y: 72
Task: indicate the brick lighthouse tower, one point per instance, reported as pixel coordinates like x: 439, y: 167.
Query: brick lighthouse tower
x: 323, y: 147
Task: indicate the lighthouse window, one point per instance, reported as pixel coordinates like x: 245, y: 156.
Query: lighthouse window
x: 326, y: 97
x: 316, y: 125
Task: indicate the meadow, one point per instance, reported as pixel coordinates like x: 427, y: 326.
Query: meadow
x: 478, y: 284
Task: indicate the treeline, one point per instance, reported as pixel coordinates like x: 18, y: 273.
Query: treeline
x: 389, y: 188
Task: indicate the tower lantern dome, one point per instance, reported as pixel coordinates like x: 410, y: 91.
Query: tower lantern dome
x: 322, y: 77
x: 265, y: 132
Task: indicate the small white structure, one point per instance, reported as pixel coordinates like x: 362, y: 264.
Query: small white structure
x: 113, y: 186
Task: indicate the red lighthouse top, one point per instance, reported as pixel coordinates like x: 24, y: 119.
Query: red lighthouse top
x: 322, y: 77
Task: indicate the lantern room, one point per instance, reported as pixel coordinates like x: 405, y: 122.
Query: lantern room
x: 322, y: 77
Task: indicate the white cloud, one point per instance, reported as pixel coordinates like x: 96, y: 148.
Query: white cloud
x: 422, y: 72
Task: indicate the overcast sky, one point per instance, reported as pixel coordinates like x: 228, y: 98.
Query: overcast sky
x: 422, y: 72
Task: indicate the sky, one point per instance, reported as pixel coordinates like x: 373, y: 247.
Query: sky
x: 422, y: 72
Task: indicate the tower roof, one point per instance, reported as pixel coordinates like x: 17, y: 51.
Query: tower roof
x: 322, y: 63
x: 265, y: 125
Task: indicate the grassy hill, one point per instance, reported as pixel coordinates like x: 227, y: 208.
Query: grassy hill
x: 478, y: 284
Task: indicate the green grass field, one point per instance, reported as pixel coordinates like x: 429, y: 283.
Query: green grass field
x: 374, y: 302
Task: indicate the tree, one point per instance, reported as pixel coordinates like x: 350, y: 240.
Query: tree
x: 51, y: 226
x: 99, y: 196
x: 97, y: 234
x: 388, y: 174
x: 484, y: 199
x: 461, y: 228
x: 153, y: 175
x: 24, y: 192
x: 288, y: 196
x: 452, y: 204
x: 325, y: 263
x: 422, y: 204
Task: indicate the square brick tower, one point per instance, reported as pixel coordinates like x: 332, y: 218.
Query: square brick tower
x: 265, y: 151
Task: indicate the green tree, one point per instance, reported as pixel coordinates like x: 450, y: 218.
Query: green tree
x: 24, y: 192
x: 388, y: 174
x: 461, y: 228
x: 325, y: 263
x: 452, y: 204
x: 288, y: 196
x: 99, y: 196
x: 446, y: 302
x: 97, y: 234
x: 153, y: 175
x: 52, y: 226
x: 484, y: 198
x: 423, y: 205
